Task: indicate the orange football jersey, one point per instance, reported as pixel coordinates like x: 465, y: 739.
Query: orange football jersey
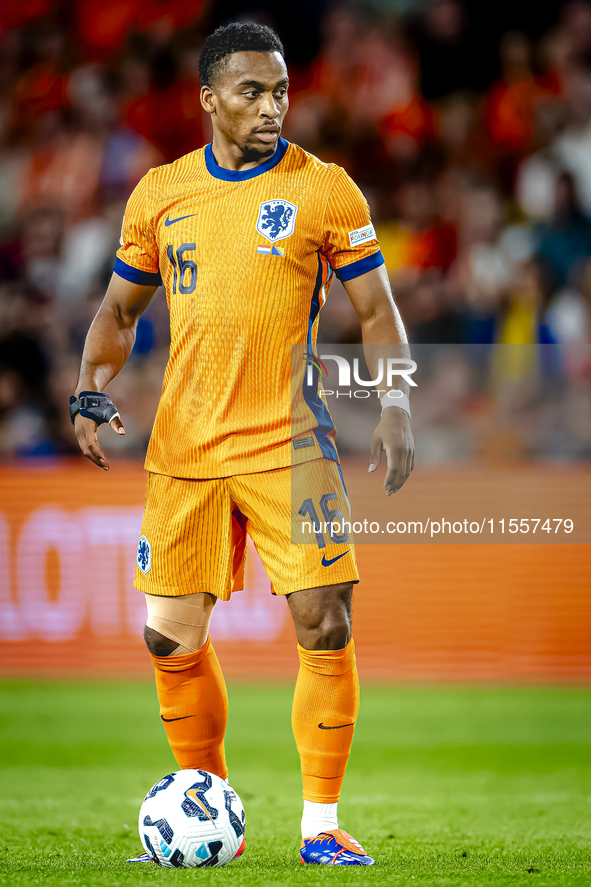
x: 246, y: 259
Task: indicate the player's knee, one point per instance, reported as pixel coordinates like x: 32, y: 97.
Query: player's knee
x: 322, y: 617
x: 332, y: 632
x: 158, y: 644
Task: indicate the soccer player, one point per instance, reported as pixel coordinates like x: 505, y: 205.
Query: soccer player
x: 245, y: 235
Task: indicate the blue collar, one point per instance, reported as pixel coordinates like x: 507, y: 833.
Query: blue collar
x: 231, y: 175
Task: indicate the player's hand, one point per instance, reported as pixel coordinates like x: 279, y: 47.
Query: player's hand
x: 394, y: 437
x: 88, y: 440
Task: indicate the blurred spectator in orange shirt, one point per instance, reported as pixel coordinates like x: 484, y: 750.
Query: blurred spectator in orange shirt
x: 426, y: 241
x: 16, y: 14
x: 511, y: 101
x: 42, y: 88
x: 408, y: 122
x: 63, y: 170
x: 459, y: 132
x: 169, y: 115
x: 102, y: 26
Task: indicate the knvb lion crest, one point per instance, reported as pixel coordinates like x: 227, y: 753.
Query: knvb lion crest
x: 276, y: 219
x: 144, y: 554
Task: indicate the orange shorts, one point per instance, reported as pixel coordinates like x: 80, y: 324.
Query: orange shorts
x: 194, y: 532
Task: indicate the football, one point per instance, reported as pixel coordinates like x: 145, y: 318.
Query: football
x: 192, y: 819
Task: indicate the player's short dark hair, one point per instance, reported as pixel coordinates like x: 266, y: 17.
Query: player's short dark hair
x: 236, y: 37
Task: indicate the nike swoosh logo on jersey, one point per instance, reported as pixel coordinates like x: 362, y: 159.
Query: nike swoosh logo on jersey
x: 168, y: 221
x: 337, y: 727
x: 326, y: 563
x: 168, y: 720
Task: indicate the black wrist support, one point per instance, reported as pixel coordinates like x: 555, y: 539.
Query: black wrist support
x: 93, y: 405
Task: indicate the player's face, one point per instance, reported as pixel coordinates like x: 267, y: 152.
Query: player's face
x: 249, y: 101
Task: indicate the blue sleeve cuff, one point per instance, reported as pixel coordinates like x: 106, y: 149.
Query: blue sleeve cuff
x: 356, y: 269
x: 135, y: 275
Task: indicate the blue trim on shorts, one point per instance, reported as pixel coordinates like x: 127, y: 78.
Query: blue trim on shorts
x: 311, y: 395
x: 342, y: 479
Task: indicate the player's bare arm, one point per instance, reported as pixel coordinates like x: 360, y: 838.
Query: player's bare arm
x: 381, y: 324
x: 108, y: 344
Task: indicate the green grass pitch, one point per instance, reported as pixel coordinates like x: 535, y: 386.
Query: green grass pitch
x: 446, y: 786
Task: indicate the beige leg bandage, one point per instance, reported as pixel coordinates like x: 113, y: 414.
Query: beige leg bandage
x: 183, y: 619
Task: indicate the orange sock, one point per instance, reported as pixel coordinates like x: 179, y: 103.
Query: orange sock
x: 194, y: 708
x: 325, y: 707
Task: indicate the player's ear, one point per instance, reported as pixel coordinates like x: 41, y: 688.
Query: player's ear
x: 208, y: 99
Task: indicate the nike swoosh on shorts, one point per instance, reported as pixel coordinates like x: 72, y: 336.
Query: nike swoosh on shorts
x: 326, y: 563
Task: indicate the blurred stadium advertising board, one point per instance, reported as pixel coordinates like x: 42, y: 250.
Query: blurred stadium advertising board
x: 68, y: 536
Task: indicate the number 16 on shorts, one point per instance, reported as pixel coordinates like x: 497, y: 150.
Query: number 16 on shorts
x: 332, y: 524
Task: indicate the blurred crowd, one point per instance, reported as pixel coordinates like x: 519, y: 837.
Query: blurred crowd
x: 473, y: 149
